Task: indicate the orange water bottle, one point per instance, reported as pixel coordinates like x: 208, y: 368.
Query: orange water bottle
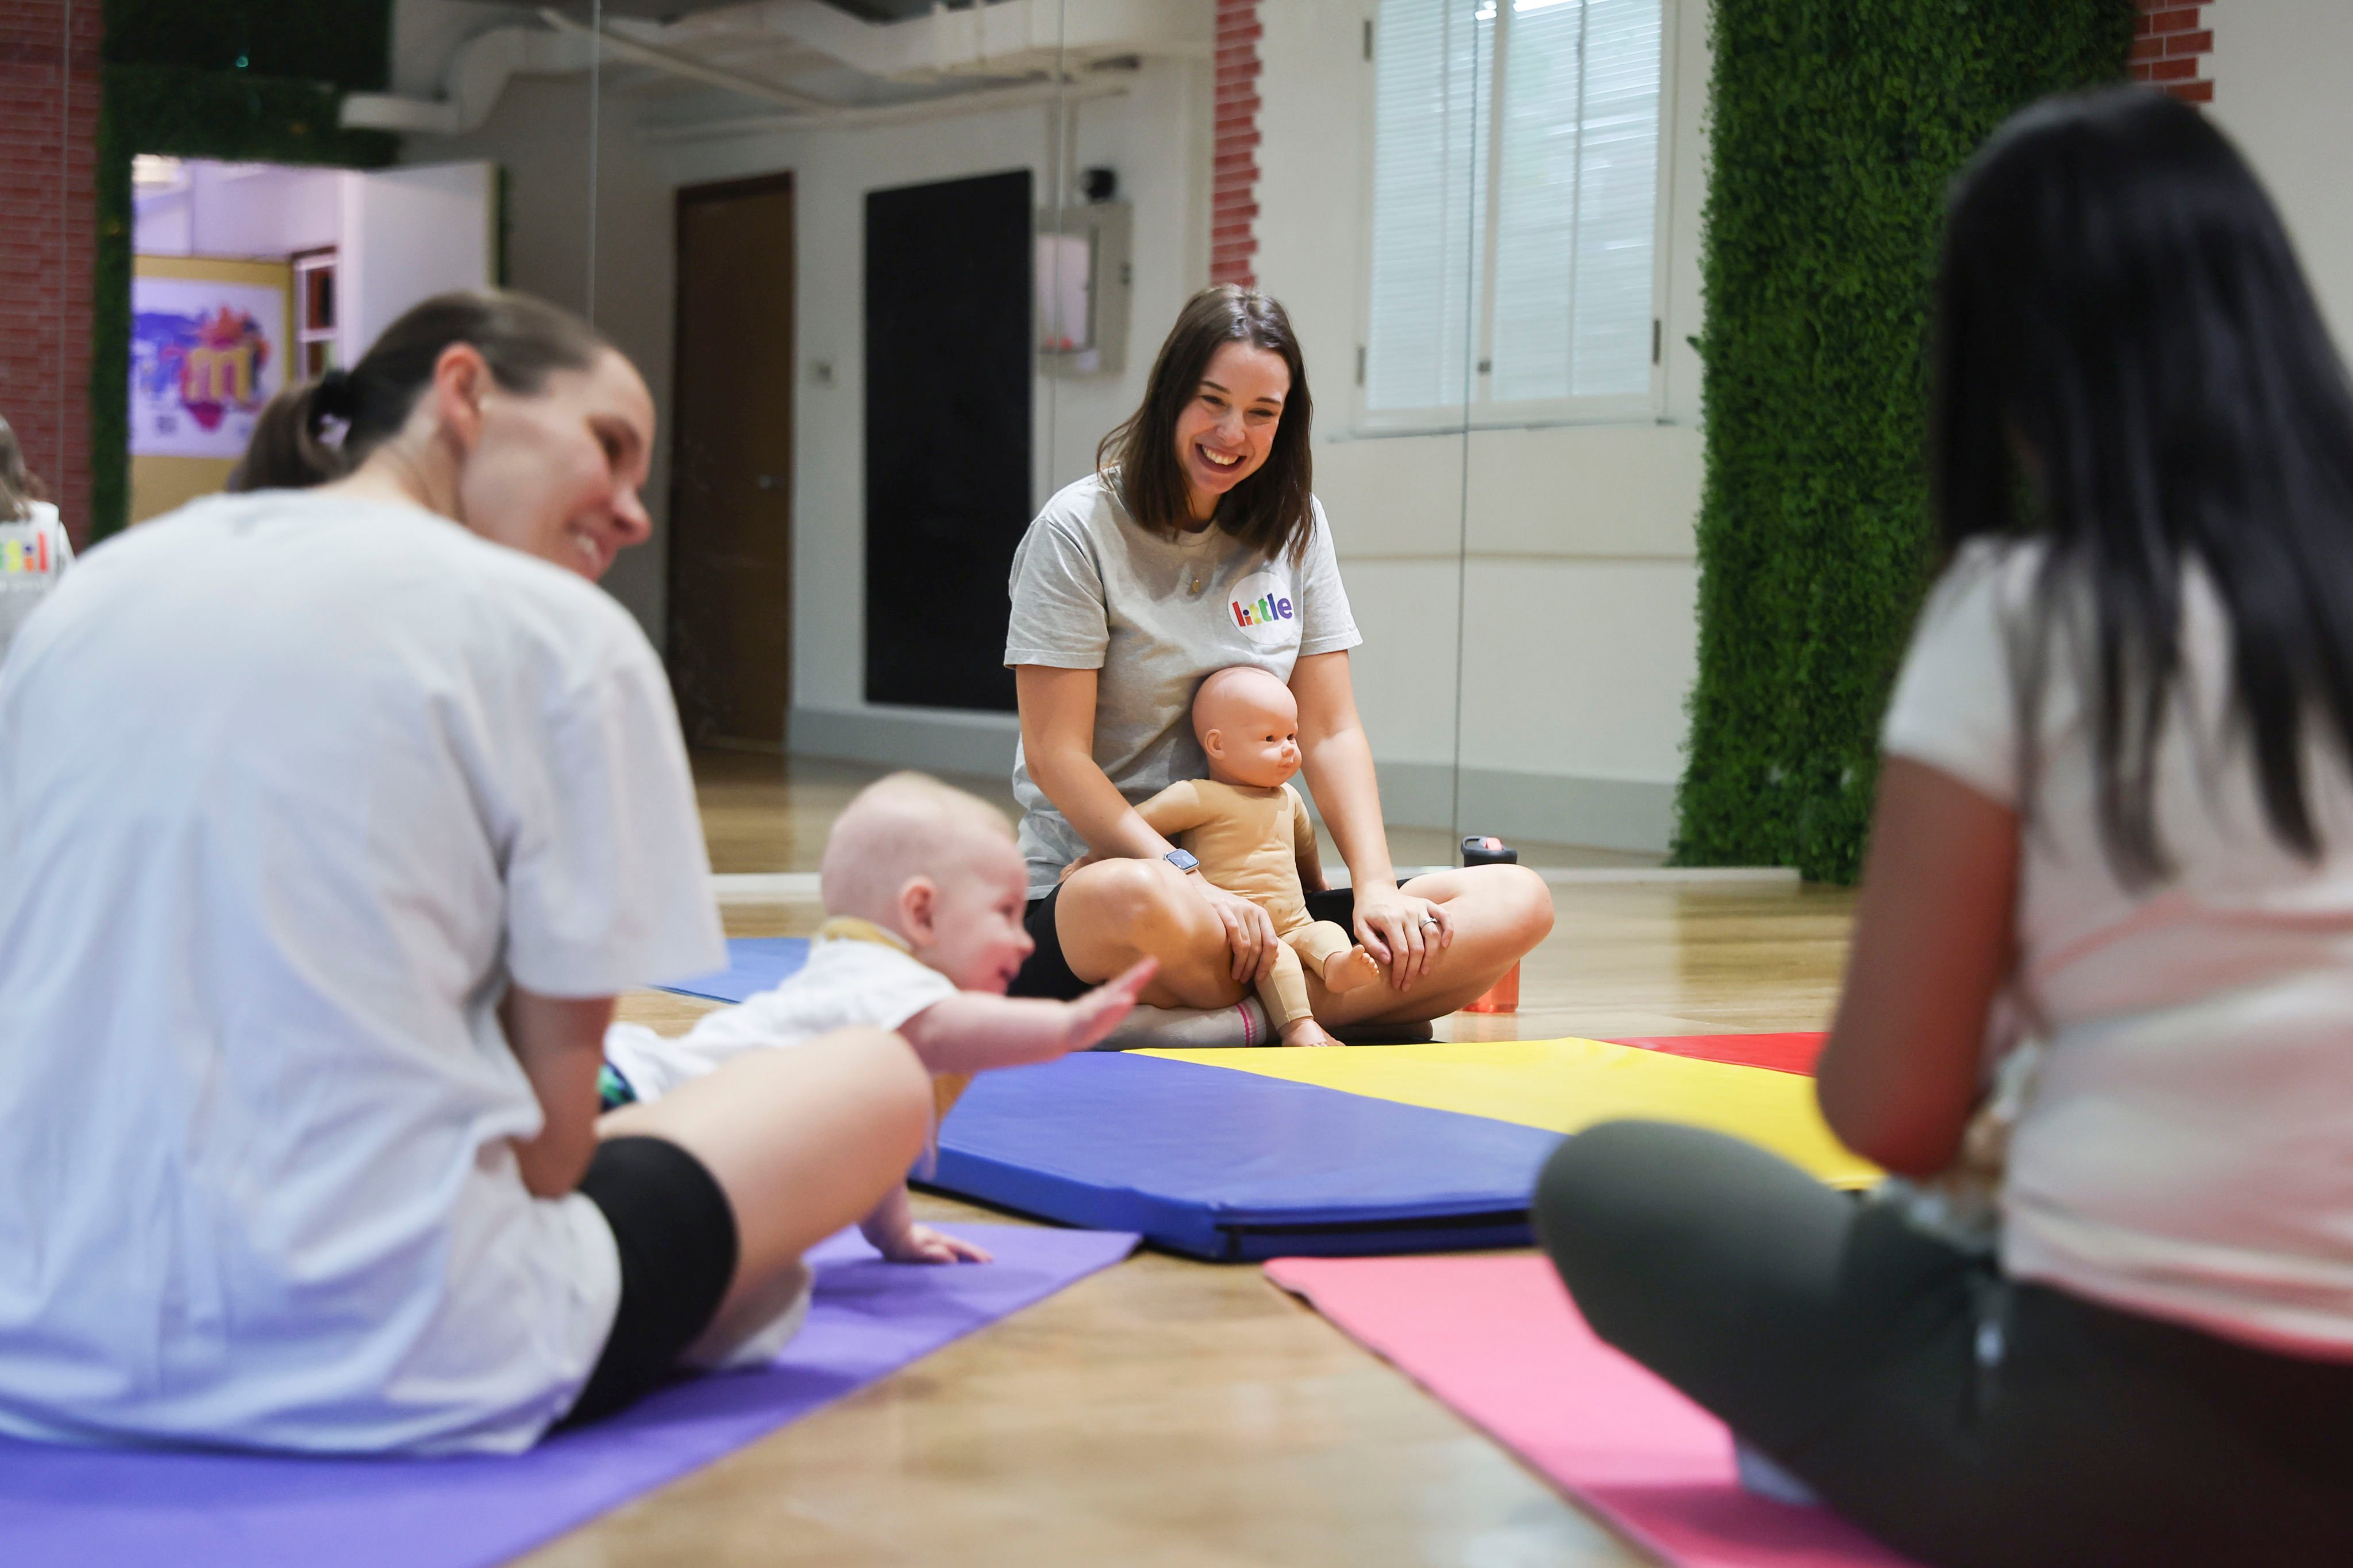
x: 1503, y: 996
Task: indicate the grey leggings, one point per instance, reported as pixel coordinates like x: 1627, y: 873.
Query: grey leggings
x: 1959, y: 1416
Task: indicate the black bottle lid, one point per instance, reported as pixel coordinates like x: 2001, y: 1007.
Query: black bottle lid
x: 1486, y: 849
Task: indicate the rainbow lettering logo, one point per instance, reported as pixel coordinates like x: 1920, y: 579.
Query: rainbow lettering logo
x: 1262, y: 609
x: 22, y: 556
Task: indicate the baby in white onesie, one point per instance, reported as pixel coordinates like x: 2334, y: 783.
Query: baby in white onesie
x: 924, y: 891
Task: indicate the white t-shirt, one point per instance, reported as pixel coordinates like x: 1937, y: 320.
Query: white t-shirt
x: 849, y: 982
x: 1094, y: 589
x: 2186, y: 1148
x: 288, y: 786
x: 34, y: 554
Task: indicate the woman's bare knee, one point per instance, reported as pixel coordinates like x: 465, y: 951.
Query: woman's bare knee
x: 876, y: 1080
x: 1114, y: 913
x: 1524, y: 901
x: 1143, y: 900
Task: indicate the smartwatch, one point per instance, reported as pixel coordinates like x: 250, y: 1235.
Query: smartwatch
x: 1182, y: 859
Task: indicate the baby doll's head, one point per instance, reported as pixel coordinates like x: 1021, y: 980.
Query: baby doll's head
x: 938, y: 867
x: 1248, y: 723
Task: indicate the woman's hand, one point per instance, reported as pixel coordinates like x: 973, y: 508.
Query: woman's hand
x: 1401, y: 931
x: 1249, y: 930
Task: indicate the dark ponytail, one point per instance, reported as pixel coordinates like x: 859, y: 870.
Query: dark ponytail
x: 523, y: 340
x: 19, y: 489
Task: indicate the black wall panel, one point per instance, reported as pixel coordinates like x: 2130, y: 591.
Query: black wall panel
x: 948, y: 371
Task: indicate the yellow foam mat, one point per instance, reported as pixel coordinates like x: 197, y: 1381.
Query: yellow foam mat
x: 1568, y: 1085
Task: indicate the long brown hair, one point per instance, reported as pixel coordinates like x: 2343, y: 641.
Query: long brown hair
x: 523, y: 340
x: 1271, y: 510
x: 18, y: 488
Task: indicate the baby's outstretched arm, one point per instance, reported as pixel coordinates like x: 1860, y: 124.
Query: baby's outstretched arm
x: 972, y: 1031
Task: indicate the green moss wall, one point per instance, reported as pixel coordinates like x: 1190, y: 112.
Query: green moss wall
x: 1837, y: 124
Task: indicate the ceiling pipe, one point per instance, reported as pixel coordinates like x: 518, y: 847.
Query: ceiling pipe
x: 627, y: 48
x: 979, y: 102
x: 1004, y: 37
x: 1007, y: 37
x: 471, y: 87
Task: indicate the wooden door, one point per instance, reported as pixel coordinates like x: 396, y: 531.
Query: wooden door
x: 730, y: 540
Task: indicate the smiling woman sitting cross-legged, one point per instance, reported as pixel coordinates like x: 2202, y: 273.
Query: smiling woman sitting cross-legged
x: 1197, y: 545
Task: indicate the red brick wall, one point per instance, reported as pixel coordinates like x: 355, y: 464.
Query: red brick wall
x: 48, y: 155
x: 1233, y: 179
x: 2172, y: 47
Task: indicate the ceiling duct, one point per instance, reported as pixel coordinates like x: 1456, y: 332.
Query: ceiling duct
x: 1001, y: 43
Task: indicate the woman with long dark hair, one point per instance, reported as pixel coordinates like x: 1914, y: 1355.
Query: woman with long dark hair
x: 1133, y: 585
x: 2115, y: 810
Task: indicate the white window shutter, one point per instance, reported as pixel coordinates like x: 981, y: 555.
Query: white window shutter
x: 1618, y: 198
x: 1575, y: 171
x: 1430, y: 139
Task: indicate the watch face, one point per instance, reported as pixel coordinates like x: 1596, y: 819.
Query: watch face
x: 1181, y: 859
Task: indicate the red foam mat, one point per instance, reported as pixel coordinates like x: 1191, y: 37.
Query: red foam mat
x: 1782, y: 1053
x: 1496, y: 1338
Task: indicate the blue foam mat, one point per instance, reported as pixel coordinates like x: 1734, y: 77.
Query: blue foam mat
x: 755, y: 964
x: 1234, y: 1167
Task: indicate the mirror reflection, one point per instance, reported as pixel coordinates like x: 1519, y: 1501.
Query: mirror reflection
x: 48, y: 131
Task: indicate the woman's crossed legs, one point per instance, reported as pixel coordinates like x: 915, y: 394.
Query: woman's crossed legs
x: 1960, y: 1417
x: 1113, y: 912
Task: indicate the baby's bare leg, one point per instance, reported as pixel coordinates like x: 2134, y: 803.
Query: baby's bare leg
x: 1284, y: 989
x: 1327, y: 950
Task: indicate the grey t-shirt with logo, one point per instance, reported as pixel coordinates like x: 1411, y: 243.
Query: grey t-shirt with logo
x: 1092, y: 589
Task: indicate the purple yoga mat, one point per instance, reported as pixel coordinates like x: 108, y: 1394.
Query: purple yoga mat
x: 97, y: 1508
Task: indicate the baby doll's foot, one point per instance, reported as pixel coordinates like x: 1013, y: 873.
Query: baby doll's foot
x: 1346, y: 971
x: 1306, y: 1032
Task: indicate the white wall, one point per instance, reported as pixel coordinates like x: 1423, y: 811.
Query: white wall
x: 1580, y: 583
x: 540, y: 134
x: 407, y: 236
x: 2279, y: 92
x: 265, y: 211
x: 1153, y: 136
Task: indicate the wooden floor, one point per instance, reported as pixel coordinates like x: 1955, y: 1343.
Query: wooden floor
x: 1167, y: 1411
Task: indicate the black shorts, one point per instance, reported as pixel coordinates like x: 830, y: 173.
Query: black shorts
x: 1046, y: 972
x: 677, y: 1239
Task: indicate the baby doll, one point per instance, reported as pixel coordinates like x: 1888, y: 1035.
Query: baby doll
x: 926, y: 894
x: 1250, y: 830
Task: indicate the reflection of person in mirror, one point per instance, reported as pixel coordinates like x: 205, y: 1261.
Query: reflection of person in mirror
x: 34, y: 549
x: 1199, y: 544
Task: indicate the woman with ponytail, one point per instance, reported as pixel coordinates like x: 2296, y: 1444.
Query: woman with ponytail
x: 340, y: 807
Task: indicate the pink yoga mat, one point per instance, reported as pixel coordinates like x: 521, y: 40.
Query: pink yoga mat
x: 1782, y: 1053
x: 1496, y: 1338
